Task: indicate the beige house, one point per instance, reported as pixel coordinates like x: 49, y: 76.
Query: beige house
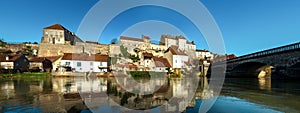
x: 48, y: 64
x: 57, y: 34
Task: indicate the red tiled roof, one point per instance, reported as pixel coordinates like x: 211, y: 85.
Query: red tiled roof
x: 180, y: 37
x: 53, y: 58
x: 190, y: 42
x: 147, y: 54
x: 56, y: 26
x: 41, y: 59
x: 130, y: 66
x: 167, y: 36
x: 161, y: 62
x: 175, y: 51
x: 130, y: 38
x: 231, y: 56
x: 198, y: 50
x: 12, y: 58
x: 36, y: 59
x: 85, y: 57
x: 145, y: 37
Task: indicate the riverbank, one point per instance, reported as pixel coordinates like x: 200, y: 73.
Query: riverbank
x: 24, y: 74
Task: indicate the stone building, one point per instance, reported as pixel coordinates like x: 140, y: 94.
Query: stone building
x: 58, y: 40
x: 133, y: 43
x: 180, y: 41
x: 57, y: 34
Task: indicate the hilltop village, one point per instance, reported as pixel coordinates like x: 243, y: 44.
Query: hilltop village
x: 62, y: 52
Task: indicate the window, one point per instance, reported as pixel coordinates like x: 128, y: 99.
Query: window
x: 101, y: 64
x: 175, y: 61
x: 58, y: 39
x: 91, y: 63
x: 78, y: 64
x: 68, y: 63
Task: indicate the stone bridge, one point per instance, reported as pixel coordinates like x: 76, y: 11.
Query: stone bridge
x: 281, y: 61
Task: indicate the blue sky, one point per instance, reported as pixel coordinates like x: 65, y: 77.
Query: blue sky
x: 247, y: 25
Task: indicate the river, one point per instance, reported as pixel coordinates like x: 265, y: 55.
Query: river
x: 85, y: 94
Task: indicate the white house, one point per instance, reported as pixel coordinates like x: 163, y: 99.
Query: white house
x: 176, y: 57
x: 85, y: 62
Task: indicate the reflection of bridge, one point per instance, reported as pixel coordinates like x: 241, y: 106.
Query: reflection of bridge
x: 283, y: 60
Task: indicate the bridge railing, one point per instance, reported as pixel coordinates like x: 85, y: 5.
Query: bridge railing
x: 267, y: 52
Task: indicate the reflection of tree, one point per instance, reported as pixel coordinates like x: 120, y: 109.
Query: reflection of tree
x: 47, y: 86
x: 125, y: 97
x: 68, y: 87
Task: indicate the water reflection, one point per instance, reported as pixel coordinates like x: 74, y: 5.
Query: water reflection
x: 48, y: 94
x: 265, y: 84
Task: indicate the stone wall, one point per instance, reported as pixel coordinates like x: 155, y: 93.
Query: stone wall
x: 19, y: 47
x: 47, y: 49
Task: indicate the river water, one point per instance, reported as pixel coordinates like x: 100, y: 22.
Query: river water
x: 85, y: 94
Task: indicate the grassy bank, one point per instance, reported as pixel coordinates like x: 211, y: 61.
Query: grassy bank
x: 145, y: 75
x: 26, y: 74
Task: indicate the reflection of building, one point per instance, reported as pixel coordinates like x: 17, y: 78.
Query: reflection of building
x: 7, y: 89
x: 85, y: 62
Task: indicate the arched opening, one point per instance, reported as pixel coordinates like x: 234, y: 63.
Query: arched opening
x: 294, y: 70
x: 253, y: 70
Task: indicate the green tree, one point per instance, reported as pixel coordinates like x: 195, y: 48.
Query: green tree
x: 2, y: 43
x: 114, y: 41
x: 124, y: 51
